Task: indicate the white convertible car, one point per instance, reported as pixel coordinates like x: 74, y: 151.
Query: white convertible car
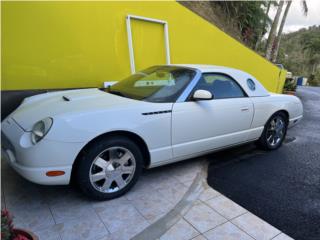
x: 102, y: 138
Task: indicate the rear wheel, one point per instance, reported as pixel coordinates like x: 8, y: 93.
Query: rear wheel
x: 109, y: 168
x: 274, y: 132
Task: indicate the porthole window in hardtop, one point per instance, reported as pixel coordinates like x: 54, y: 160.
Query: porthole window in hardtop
x: 251, y: 84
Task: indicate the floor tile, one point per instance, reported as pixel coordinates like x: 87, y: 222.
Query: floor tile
x: 255, y: 226
x: 155, y: 218
x: 50, y: 233
x: 182, y: 230
x: 121, y: 216
x: 186, y: 172
x: 62, y: 213
x: 64, y: 194
x: 200, y: 237
x: 106, y: 237
x: 32, y: 219
x: 208, y: 194
x: 141, y: 190
x: 152, y: 205
x: 127, y: 233
x: 203, y: 218
x: 188, y: 183
x: 19, y: 195
x: 83, y: 229
x: 154, y: 181
x: 282, y: 236
x: 69, y: 205
x: 173, y: 193
x: 226, y: 207
x: 227, y: 231
x: 100, y: 206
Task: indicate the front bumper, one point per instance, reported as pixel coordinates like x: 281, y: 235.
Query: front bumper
x: 34, y: 161
x: 38, y: 174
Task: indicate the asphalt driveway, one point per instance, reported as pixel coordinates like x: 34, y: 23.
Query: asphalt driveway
x: 282, y: 187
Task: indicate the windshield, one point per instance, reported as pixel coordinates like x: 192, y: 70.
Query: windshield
x: 155, y: 84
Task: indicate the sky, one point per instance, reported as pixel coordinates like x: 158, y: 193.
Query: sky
x: 296, y: 19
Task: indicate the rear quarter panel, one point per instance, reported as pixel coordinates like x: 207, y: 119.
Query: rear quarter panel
x: 266, y: 106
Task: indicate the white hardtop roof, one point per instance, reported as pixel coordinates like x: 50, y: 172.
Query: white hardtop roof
x: 205, y: 68
x: 240, y: 76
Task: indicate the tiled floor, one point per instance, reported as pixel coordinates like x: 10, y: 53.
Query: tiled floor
x: 215, y: 217
x: 62, y: 213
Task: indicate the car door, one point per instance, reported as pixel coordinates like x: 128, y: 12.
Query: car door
x: 200, y: 126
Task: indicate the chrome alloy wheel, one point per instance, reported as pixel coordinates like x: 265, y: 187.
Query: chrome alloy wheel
x: 112, y: 169
x: 276, y: 131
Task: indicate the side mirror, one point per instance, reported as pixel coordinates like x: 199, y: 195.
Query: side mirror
x: 202, y: 95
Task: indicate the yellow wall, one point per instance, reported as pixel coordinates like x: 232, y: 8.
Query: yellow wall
x: 82, y: 44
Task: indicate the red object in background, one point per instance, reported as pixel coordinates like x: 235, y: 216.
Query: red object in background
x: 8, y: 232
x: 20, y: 237
x: 22, y: 234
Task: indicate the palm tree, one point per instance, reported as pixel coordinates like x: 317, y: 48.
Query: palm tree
x: 273, y: 31
x: 276, y: 44
x: 263, y: 26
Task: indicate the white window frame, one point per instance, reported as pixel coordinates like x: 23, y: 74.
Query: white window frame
x: 130, y: 44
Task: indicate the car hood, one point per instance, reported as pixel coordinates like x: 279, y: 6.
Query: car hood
x: 66, y: 103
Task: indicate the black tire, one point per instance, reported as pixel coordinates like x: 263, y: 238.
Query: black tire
x: 83, y: 170
x: 263, y: 140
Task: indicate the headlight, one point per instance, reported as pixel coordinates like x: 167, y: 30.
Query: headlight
x: 40, y: 129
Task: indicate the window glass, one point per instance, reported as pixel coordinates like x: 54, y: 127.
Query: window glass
x: 220, y: 86
x: 155, y: 84
x: 251, y: 84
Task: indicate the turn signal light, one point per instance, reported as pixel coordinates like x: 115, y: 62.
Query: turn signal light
x: 55, y: 173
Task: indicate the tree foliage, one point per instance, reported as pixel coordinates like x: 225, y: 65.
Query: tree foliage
x: 251, y: 17
x: 248, y: 21
x: 300, y: 53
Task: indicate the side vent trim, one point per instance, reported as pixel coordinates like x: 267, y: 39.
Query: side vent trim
x: 157, y: 112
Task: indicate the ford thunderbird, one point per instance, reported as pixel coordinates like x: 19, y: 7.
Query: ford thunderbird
x: 101, y: 139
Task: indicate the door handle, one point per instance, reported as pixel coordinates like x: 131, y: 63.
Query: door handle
x: 244, y: 109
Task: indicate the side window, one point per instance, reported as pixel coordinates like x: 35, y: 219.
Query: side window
x: 220, y: 85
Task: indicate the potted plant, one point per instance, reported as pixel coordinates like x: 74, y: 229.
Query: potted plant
x: 8, y: 232
x: 290, y: 87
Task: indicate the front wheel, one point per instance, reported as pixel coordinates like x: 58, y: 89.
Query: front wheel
x: 274, y: 132
x: 109, y: 168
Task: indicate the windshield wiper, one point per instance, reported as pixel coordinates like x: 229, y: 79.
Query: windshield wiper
x: 116, y: 93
